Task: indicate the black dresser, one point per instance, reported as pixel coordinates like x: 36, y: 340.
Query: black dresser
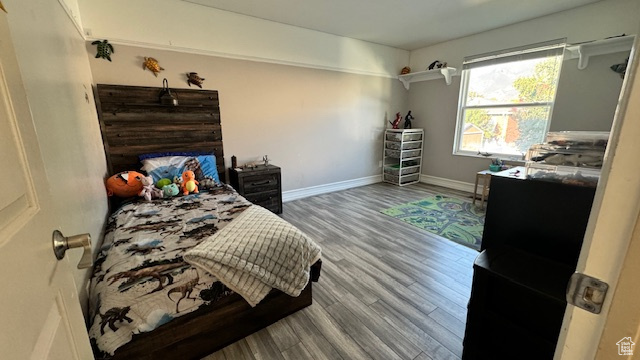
x: 261, y: 185
x: 530, y: 247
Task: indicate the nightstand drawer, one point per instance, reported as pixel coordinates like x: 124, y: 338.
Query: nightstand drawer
x: 266, y: 199
x: 260, y: 183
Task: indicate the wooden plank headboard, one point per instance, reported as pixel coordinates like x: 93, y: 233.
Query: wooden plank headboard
x: 133, y: 122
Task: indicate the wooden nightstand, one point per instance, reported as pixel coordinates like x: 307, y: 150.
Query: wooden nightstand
x: 260, y: 185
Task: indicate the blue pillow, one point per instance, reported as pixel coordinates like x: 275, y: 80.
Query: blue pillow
x: 165, y: 167
x: 208, y: 167
x: 172, y: 166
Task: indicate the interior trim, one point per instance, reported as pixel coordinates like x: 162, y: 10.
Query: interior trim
x: 327, y: 188
x: 348, y: 184
x: 448, y: 183
x: 189, y: 50
x: 75, y: 18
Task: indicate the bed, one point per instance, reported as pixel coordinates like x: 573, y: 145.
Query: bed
x: 201, y: 313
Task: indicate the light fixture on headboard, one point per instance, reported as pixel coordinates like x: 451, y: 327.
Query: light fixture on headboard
x: 166, y: 97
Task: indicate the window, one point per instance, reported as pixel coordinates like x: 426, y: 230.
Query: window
x: 506, y: 100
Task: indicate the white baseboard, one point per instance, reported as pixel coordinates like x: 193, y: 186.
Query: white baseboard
x: 348, y: 184
x: 327, y: 188
x: 448, y: 183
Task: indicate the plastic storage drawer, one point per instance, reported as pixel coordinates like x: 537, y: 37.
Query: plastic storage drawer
x: 405, y: 137
x: 405, y: 154
x: 411, y: 154
x: 402, y: 179
x: 405, y: 146
x: 395, y: 170
x: 563, y: 174
x: 579, y: 139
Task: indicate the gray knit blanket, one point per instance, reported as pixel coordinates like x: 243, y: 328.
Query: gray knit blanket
x: 256, y: 252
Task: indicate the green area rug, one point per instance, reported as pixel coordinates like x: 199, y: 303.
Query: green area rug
x: 455, y: 219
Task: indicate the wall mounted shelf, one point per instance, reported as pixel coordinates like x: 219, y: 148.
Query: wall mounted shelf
x: 584, y: 51
x: 445, y: 73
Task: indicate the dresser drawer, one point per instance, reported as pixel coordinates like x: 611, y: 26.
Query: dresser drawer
x: 274, y: 206
x: 260, y: 183
x: 267, y: 199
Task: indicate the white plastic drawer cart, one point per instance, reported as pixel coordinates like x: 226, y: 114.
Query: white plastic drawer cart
x: 402, y: 156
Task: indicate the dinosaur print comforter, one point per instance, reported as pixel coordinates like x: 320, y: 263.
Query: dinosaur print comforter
x: 140, y: 279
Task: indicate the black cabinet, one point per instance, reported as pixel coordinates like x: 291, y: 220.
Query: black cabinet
x: 261, y: 185
x: 530, y: 246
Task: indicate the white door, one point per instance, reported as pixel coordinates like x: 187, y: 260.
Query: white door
x: 610, y: 230
x: 40, y: 316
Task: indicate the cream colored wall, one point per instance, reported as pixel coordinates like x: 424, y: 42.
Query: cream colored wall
x: 57, y: 78
x: 320, y: 126
x: 72, y: 8
x: 186, y: 27
x: 435, y: 105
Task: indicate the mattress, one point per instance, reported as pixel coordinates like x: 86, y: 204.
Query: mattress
x: 140, y: 280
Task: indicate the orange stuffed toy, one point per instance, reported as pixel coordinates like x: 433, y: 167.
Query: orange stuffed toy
x: 189, y: 183
x: 125, y: 184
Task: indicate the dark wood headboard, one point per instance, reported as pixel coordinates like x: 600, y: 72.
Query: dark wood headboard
x: 133, y: 122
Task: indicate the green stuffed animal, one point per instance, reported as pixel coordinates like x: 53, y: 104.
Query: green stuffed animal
x: 170, y: 190
x: 163, y: 182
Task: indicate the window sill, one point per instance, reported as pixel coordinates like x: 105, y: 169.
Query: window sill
x: 504, y: 157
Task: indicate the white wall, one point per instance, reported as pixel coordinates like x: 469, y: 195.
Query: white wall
x: 595, y: 21
x: 57, y: 78
x: 316, y: 103
x: 187, y: 27
x: 320, y: 126
x: 587, y: 99
x: 435, y: 105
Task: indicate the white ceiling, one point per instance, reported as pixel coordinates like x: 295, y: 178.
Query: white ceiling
x: 404, y: 24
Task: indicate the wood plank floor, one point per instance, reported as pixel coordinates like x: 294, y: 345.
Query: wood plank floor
x: 387, y: 290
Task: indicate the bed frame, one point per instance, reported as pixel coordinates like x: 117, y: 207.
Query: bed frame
x: 206, y: 330
x: 133, y: 122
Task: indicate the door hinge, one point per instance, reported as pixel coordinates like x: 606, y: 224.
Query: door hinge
x: 586, y: 292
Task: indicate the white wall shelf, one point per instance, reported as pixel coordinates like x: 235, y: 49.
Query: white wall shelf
x: 584, y: 51
x: 445, y: 73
